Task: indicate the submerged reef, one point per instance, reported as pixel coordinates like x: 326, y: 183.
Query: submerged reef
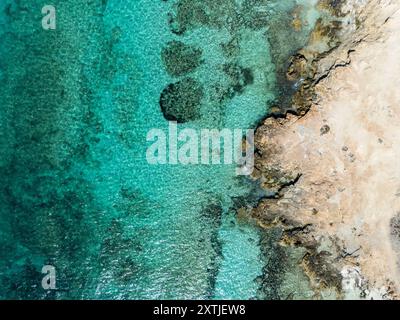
x: 212, y: 215
x: 180, y: 59
x: 228, y: 77
x: 181, y: 101
x: 190, y: 14
x: 240, y: 77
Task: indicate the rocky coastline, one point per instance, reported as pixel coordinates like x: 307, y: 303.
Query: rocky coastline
x: 326, y: 154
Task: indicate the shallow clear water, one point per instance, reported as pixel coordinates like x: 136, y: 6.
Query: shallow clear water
x: 76, y: 106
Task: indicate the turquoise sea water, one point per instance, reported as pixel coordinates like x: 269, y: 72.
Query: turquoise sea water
x: 76, y: 106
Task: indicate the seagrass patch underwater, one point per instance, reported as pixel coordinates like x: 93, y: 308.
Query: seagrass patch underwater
x: 77, y: 101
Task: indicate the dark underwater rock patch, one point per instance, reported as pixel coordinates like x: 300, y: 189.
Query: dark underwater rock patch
x: 251, y: 15
x: 188, y: 14
x: 119, y: 253
x: 180, y: 59
x: 231, y: 49
x: 240, y: 76
x: 181, y: 101
x: 274, y: 270
x: 191, y: 13
x: 212, y: 216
